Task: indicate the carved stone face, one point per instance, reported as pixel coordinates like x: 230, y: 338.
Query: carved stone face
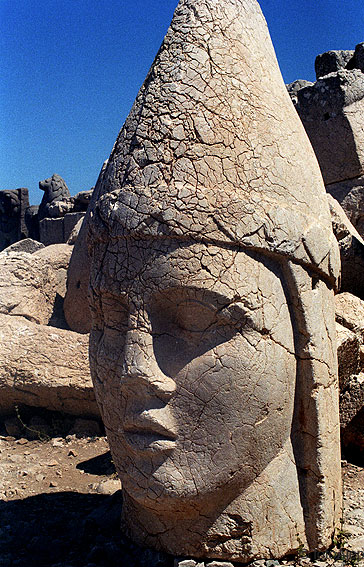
x: 193, y: 362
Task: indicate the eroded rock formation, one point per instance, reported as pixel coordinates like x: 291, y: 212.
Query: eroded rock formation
x: 213, y: 267
x: 332, y: 111
x: 13, y: 205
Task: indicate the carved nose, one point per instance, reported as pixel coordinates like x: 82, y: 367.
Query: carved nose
x: 140, y: 368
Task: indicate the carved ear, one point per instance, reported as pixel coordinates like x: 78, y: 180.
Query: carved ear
x: 315, y: 429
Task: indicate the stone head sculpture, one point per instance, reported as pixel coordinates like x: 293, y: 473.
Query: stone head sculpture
x: 212, y: 276
x: 55, y: 189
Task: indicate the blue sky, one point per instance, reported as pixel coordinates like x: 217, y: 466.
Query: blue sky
x: 72, y: 68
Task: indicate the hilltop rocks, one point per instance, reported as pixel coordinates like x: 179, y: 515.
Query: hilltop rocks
x: 332, y: 61
x: 351, y: 250
x: 27, y: 287
x: 350, y: 337
x: 350, y: 195
x: 13, y: 206
x: 44, y: 367
x: 332, y: 112
x: 42, y: 363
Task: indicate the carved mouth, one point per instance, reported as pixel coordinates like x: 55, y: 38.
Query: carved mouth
x: 145, y: 435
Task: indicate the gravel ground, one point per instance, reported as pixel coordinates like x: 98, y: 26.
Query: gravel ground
x: 60, y: 503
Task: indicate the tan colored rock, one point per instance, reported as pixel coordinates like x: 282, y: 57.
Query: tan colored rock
x: 349, y: 311
x: 332, y: 113
x: 351, y: 247
x: 28, y: 286
x: 348, y: 354
x: 213, y: 349
x: 350, y: 195
x: 44, y: 367
x: 76, y: 305
x: 351, y: 400
x: 75, y: 232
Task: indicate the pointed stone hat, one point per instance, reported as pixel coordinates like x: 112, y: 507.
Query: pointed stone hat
x: 214, y: 151
x: 213, y: 148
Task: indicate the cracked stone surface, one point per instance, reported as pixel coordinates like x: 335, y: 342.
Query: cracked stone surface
x: 213, y: 264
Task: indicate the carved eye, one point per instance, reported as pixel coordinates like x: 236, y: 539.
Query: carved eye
x: 194, y: 316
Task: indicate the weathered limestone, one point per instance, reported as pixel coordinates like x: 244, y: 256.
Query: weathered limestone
x: 350, y: 328
x: 332, y: 112
x: 27, y: 287
x: 76, y: 305
x: 332, y: 61
x: 351, y: 247
x: 58, y: 230
x: 296, y: 86
x: 348, y: 354
x: 13, y: 204
x: 350, y: 195
x: 44, y: 367
x: 26, y: 245
x: 213, y: 266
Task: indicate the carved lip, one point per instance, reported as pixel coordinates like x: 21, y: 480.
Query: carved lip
x: 145, y: 434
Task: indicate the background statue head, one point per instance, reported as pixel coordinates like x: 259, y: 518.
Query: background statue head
x: 55, y: 189
x: 213, y: 268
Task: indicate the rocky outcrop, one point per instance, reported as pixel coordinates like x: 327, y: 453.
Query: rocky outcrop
x: 332, y: 112
x: 332, y: 61
x: 350, y: 195
x: 351, y: 250
x: 13, y: 206
x: 42, y: 363
x: 27, y: 245
x: 350, y: 337
x: 44, y: 367
x: 33, y: 285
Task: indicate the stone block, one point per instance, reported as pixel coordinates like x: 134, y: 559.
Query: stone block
x: 350, y: 195
x: 58, y: 230
x: 332, y: 61
x: 13, y: 204
x: 349, y: 312
x: 332, y: 112
x: 348, y: 354
x: 351, y: 247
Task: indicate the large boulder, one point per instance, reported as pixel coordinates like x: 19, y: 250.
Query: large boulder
x: 351, y: 250
x: 27, y: 287
x: 33, y: 285
x: 332, y: 61
x: 332, y: 112
x: 26, y: 245
x: 41, y: 366
x: 350, y: 195
x: 350, y: 338
x: 13, y: 206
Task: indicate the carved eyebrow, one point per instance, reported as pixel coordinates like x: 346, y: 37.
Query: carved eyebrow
x: 211, y: 298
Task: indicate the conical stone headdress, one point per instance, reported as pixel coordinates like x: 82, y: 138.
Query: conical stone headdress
x: 214, y: 151
x: 213, y: 148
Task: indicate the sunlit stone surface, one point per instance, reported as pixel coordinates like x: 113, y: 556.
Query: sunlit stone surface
x: 213, y: 347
